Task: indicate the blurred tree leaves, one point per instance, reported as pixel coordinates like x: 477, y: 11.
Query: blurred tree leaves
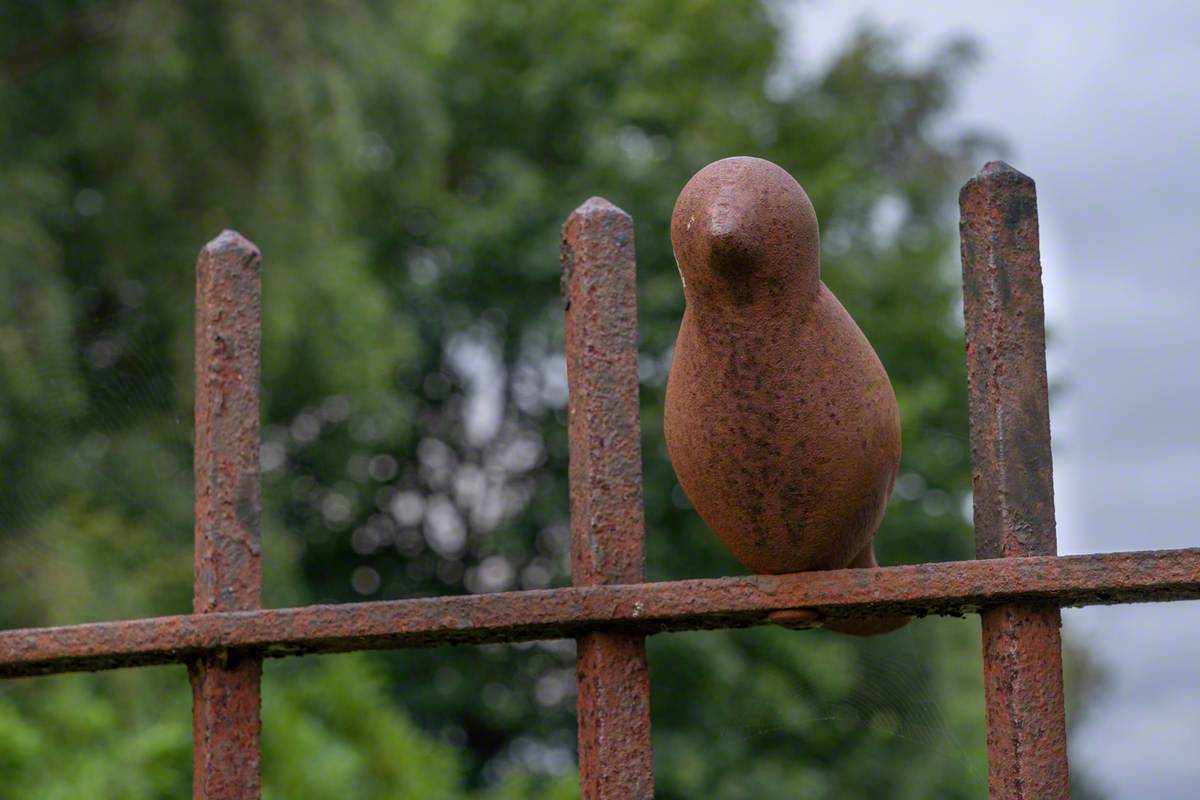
x: 405, y: 168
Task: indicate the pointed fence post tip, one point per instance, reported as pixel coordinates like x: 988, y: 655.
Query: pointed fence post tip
x: 993, y: 169
x: 998, y: 176
x: 597, y: 233
x: 595, y: 206
x: 230, y: 240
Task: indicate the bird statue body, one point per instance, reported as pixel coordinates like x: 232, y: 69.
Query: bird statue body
x: 780, y: 422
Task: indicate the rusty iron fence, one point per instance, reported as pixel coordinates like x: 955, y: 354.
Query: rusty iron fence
x: 1017, y: 586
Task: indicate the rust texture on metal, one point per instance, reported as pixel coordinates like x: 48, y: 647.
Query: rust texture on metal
x: 600, y: 289
x: 613, y: 706
x: 952, y: 588
x: 780, y: 420
x: 228, y: 502
x: 226, y: 727
x: 1006, y: 365
x: 1013, y: 478
x: 226, y: 691
x: 1022, y: 678
x: 607, y: 518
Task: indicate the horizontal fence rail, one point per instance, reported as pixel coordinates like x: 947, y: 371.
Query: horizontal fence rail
x: 949, y: 589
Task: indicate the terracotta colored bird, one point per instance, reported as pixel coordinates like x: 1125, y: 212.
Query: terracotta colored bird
x: 781, y: 422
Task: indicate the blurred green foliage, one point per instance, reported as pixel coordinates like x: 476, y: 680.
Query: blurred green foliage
x: 405, y: 168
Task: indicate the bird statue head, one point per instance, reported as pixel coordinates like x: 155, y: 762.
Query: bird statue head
x: 743, y: 230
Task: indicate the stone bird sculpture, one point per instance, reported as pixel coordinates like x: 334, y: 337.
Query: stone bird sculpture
x: 781, y: 422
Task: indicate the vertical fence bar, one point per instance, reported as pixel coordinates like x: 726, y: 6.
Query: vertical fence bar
x: 228, y: 574
x: 1013, y: 478
x: 607, y: 518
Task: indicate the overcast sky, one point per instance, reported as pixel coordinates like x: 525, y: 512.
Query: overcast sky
x: 1100, y: 104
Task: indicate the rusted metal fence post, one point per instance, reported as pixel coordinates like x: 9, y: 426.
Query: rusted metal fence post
x: 607, y: 518
x: 1013, y: 479
x: 226, y: 724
